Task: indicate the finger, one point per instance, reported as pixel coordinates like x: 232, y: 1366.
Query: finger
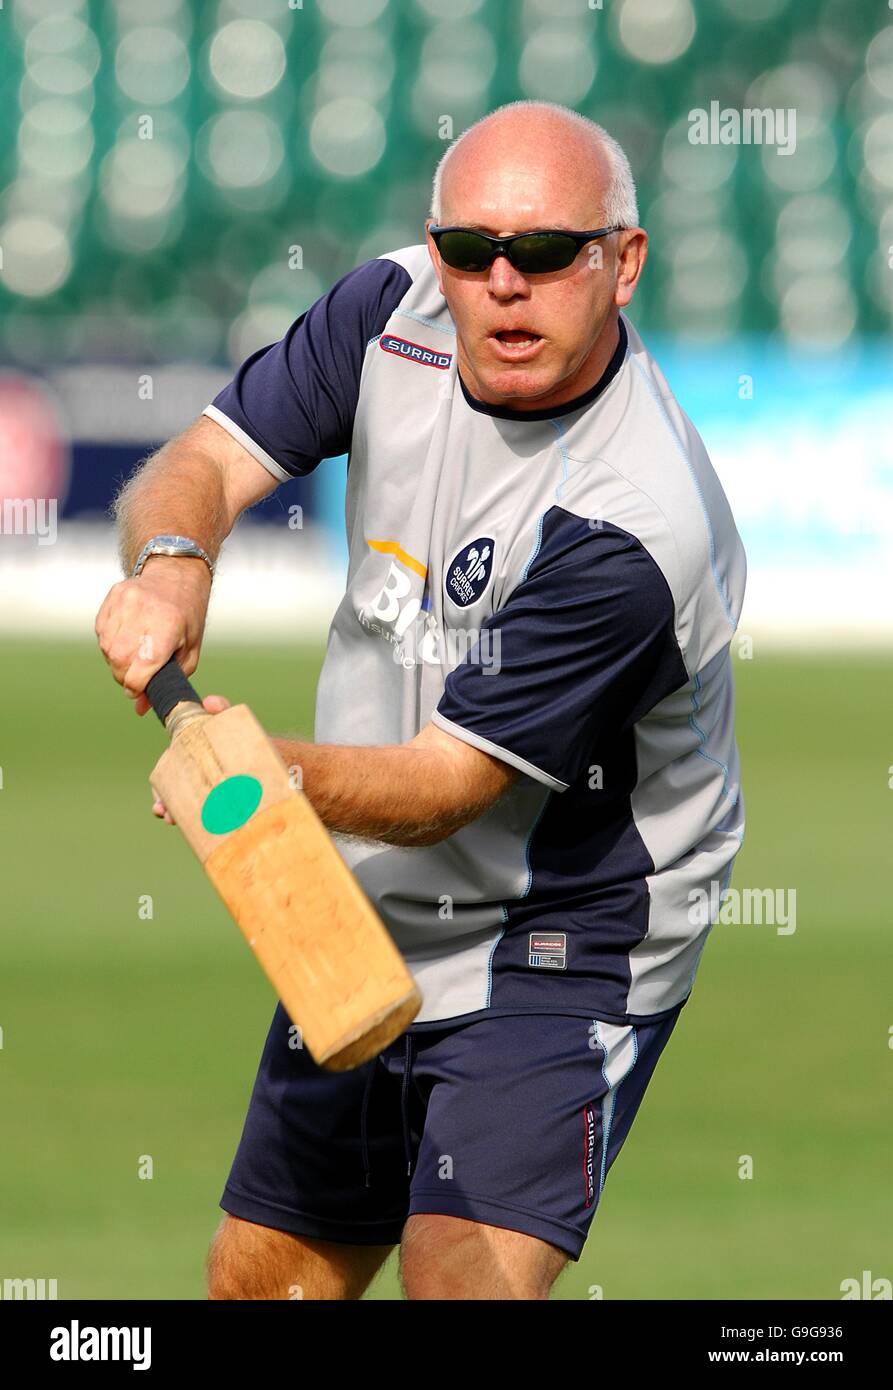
x: 107, y: 642
x: 141, y: 704
x: 102, y: 615
x: 109, y: 615
x: 106, y: 625
x: 161, y: 811
x: 216, y: 704
x: 141, y: 669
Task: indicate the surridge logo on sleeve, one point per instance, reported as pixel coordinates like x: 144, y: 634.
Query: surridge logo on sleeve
x: 414, y: 352
x: 469, y: 573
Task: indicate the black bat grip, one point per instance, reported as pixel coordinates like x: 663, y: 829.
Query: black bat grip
x: 168, y: 687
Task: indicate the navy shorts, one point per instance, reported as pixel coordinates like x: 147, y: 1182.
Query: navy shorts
x: 513, y: 1121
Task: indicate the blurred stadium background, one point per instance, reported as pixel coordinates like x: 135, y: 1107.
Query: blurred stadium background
x: 178, y: 182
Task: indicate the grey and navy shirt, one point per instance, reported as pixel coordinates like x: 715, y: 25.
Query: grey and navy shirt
x: 558, y: 588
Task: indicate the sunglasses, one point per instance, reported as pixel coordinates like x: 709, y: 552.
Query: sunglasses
x: 533, y: 253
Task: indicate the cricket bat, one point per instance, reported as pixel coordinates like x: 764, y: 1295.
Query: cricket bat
x: 327, y: 954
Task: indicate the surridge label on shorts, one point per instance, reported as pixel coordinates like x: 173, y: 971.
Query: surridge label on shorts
x: 548, y: 950
x: 589, y: 1130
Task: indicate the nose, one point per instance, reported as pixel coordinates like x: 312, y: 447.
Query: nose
x: 505, y: 281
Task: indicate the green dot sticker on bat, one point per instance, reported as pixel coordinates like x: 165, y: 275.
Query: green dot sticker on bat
x: 230, y: 804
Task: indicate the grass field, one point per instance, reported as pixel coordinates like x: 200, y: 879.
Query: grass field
x: 124, y: 1037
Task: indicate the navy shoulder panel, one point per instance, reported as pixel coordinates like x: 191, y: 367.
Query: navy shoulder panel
x: 297, y: 398
x: 584, y: 647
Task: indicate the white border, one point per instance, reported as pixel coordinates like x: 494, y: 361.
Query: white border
x: 248, y: 443
x: 495, y: 751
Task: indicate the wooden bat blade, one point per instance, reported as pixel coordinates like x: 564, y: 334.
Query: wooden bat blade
x: 327, y: 954
x: 336, y: 969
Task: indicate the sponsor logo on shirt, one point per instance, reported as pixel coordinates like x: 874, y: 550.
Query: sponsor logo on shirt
x: 414, y: 352
x: 589, y: 1127
x: 548, y: 950
x: 469, y: 574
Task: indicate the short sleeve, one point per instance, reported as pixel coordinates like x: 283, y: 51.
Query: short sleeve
x: 583, y: 648
x: 293, y: 403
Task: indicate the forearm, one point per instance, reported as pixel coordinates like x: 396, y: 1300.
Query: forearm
x: 179, y: 490
x: 401, y: 794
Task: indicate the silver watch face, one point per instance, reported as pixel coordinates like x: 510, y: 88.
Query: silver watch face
x: 171, y: 545
x: 179, y: 542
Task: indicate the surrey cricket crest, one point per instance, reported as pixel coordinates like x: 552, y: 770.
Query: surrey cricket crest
x: 469, y: 574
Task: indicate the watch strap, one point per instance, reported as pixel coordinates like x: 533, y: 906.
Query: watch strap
x: 179, y: 546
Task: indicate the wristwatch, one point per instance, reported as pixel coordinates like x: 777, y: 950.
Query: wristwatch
x: 171, y: 545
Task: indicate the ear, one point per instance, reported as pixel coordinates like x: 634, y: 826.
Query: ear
x: 631, y: 257
x: 434, y: 254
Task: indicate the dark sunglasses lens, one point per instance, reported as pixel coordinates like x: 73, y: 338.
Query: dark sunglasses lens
x: 537, y: 254
x: 465, y: 250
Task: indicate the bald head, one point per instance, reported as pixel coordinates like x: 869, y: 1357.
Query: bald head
x: 543, y: 163
x: 531, y: 340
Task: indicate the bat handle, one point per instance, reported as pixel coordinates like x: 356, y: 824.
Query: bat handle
x: 172, y: 697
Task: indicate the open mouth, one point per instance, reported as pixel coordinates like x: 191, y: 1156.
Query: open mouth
x: 516, y: 344
x: 517, y: 337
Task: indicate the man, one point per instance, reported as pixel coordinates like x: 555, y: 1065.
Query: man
x: 524, y: 721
